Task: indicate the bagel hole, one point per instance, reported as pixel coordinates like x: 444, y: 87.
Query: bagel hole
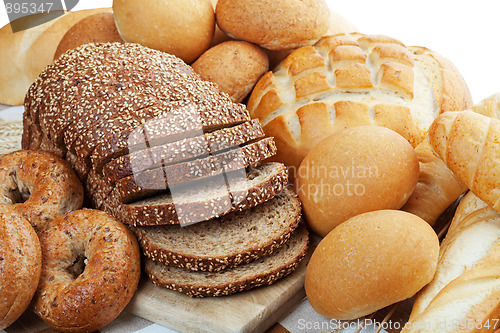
x: 19, y: 194
x: 78, y: 266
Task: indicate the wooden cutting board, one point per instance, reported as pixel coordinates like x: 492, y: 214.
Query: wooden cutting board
x: 252, y: 311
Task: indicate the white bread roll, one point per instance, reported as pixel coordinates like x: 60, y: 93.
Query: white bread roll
x: 184, y: 28
x: 355, y: 171
x: 369, y: 262
x: 466, y: 286
x: 24, y: 54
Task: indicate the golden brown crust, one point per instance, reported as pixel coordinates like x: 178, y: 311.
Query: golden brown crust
x: 97, y: 28
x: 352, y: 80
x: 39, y: 185
x: 91, y: 269
x: 20, y: 265
x: 275, y: 25
x: 437, y: 186
x: 234, y: 65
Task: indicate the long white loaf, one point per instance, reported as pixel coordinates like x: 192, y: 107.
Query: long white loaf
x: 466, y: 287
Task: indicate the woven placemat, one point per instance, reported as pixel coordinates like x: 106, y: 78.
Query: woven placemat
x: 10, y: 136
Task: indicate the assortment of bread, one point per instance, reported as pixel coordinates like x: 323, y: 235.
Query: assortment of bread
x: 353, y: 128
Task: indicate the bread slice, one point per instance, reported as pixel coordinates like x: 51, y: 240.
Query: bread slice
x: 198, y: 201
x: 181, y: 150
x: 235, y: 239
x: 264, y: 271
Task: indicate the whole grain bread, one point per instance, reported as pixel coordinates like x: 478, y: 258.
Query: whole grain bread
x: 211, y: 142
x: 234, y: 239
x: 264, y: 271
x: 203, y: 200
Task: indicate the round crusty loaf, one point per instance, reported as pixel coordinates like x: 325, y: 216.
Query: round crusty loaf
x: 20, y: 265
x: 97, y: 28
x: 180, y: 27
x: 358, y: 170
x: 274, y: 25
x: 235, y: 66
x: 371, y: 261
x: 351, y: 80
x: 24, y: 54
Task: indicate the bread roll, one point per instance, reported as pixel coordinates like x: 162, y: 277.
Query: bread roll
x: 352, y: 80
x: 358, y: 170
x: 24, y: 54
x: 180, y: 27
x: 469, y: 145
x: 275, y: 25
x: 234, y: 65
x: 466, y: 287
x: 437, y: 186
x: 369, y: 262
x: 97, y: 28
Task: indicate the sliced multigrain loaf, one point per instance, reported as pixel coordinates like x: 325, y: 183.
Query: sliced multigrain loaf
x: 198, y: 201
x: 235, y: 239
x: 264, y: 271
x: 143, y: 184
x: 181, y: 150
x: 179, y: 121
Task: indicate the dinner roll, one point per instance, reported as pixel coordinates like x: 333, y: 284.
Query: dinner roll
x: 369, y: 262
x: 275, y: 25
x: 234, y: 65
x: 358, y: 170
x: 180, y: 27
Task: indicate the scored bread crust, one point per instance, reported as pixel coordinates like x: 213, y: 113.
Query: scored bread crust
x: 268, y: 180
x: 287, y: 212
x: 352, y: 80
x: 283, y: 261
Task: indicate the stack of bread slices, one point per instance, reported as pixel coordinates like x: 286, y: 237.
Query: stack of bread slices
x: 168, y: 154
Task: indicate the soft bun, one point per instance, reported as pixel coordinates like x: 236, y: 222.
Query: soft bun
x: 234, y: 65
x: 355, y: 171
x: 97, y: 28
x: 275, y: 25
x: 369, y: 262
x: 20, y: 265
x: 180, y: 27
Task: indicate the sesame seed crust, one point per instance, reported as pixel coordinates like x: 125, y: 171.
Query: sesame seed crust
x: 249, y: 235
x: 200, y: 201
x: 262, y: 272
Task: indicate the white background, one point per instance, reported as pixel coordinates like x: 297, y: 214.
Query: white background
x: 466, y: 32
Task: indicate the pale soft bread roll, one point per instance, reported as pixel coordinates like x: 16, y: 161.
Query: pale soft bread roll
x: 489, y: 106
x: 437, y: 186
x: 24, y: 54
x: 352, y: 80
x: 358, y: 170
x: 369, y: 262
x: 234, y: 65
x: 184, y: 28
x: 274, y: 25
x: 466, y: 286
x: 469, y: 145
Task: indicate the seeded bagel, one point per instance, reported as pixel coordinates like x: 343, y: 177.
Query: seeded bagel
x: 39, y: 185
x: 91, y: 269
x: 20, y: 265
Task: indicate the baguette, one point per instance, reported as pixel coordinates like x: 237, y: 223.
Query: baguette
x: 437, y: 186
x: 466, y: 286
x: 469, y: 145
